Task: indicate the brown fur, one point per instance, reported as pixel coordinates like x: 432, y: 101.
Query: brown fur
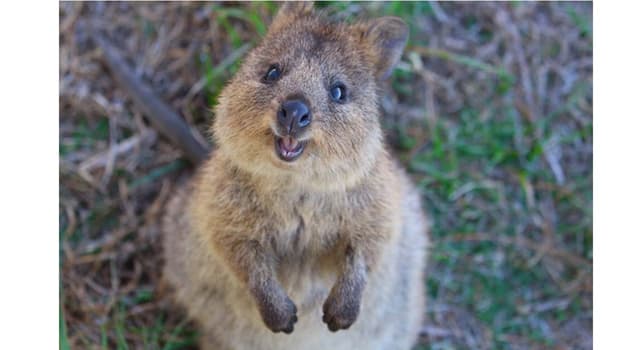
x: 257, y: 247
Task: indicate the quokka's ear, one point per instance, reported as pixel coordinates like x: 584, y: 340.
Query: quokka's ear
x: 289, y: 12
x: 387, y: 37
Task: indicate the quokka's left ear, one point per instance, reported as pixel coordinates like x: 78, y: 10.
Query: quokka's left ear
x: 289, y: 12
x: 387, y: 36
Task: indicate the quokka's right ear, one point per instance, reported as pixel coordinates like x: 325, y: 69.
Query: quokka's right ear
x: 289, y: 12
x: 387, y: 36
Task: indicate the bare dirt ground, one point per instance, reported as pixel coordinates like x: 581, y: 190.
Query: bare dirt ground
x: 490, y: 110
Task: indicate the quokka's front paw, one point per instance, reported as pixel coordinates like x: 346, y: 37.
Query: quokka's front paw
x: 341, y: 308
x: 279, y: 313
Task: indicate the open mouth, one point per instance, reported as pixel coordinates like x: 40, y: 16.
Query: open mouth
x: 288, y: 148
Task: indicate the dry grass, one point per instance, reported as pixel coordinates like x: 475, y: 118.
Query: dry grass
x: 491, y: 110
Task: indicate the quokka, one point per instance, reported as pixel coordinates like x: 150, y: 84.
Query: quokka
x: 300, y: 231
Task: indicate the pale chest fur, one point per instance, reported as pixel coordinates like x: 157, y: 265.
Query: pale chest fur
x: 306, y: 231
x: 306, y: 225
x: 305, y: 236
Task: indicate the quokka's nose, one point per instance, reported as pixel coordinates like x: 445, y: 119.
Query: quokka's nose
x: 294, y: 116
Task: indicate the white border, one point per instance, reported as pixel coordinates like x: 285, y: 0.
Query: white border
x: 29, y: 175
x: 616, y: 175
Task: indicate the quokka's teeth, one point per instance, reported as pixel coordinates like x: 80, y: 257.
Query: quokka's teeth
x: 289, y: 143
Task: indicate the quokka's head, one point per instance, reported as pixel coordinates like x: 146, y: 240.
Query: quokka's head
x: 304, y: 104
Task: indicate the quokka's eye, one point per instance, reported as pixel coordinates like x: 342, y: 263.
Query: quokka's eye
x: 338, y: 93
x: 273, y: 74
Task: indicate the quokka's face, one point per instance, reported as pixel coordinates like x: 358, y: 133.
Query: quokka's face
x: 306, y: 98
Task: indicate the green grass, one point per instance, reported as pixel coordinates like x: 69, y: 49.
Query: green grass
x: 85, y: 135
x: 231, y: 20
x: 64, y: 341
x: 484, y: 171
x: 410, y: 11
x: 582, y: 22
x: 158, y: 335
x: 474, y: 176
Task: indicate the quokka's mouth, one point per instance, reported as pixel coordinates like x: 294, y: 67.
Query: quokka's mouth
x: 288, y: 148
